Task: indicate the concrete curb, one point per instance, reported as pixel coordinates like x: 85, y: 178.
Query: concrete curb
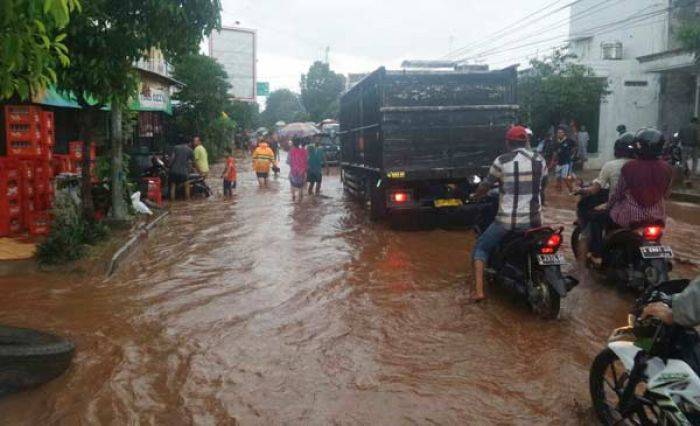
x: 686, y: 197
x: 140, y: 234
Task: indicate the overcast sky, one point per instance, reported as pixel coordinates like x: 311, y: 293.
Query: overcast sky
x: 365, y: 34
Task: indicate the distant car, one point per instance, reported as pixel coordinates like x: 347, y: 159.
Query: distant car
x: 330, y: 142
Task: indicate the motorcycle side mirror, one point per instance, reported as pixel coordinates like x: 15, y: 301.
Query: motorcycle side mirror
x: 475, y: 180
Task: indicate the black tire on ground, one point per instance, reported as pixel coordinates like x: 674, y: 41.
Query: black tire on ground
x: 549, y: 307
x: 600, y: 386
x: 29, y: 358
x: 575, y: 237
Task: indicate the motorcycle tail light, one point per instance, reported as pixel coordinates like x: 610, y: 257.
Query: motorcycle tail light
x: 653, y: 233
x: 551, y: 244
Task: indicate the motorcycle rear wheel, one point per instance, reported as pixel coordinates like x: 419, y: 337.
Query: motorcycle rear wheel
x: 607, y: 381
x: 547, y: 302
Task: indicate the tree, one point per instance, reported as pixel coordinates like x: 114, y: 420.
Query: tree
x: 245, y: 114
x: 202, y: 101
x: 104, y: 41
x: 282, y: 105
x: 31, y: 44
x: 320, y: 91
x: 555, y: 90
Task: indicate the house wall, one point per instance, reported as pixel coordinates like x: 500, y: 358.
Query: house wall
x: 634, y: 94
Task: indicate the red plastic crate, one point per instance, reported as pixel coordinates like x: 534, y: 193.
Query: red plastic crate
x: 39, y: 223
x: 75, y: 150
x: 154, y: 192
x: 22, y: 114
x: 47, y: 121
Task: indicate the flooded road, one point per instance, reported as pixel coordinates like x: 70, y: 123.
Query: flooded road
x: 259, y: 311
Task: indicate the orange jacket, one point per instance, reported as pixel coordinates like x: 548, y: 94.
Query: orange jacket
x: 263, y: 158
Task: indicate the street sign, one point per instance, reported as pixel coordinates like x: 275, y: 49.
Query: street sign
x: 263, y: 88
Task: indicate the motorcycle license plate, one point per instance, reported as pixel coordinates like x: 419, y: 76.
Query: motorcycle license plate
x: 449, y: 202
x: 551, y: 259
x: 656, y: 252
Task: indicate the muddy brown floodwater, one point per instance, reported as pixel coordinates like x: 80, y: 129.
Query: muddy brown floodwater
x: 260, y: 311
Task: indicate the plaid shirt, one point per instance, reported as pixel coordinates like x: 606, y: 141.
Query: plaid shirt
x: 520, y: 174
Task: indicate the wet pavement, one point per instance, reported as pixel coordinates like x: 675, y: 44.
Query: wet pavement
x: 256, y: 310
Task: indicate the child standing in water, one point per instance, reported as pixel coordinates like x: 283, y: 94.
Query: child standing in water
x: 229, y: 174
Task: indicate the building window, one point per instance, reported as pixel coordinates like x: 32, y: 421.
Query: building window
x: 636, y: 83
x: 612, y: 51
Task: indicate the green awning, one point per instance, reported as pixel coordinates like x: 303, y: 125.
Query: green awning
x: 51, y: 97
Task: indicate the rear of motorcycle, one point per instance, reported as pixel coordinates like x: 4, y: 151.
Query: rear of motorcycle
x: 547, y: 285
x: 531, y: 265
x: 636, y: 258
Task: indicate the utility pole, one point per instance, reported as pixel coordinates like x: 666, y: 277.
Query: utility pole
x: 328, y: 50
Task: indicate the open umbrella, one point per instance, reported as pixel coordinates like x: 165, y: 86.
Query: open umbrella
x: 280, y: 124
x: 262, y: 131
x: 298, y: 130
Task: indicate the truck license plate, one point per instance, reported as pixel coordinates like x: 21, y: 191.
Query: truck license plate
x: 551, y: 259
x: 656, y: 252
x: 449, y: 202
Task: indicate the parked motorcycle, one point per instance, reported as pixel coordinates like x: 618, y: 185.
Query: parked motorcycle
x: 647, y: 372
x: 631, y: 258
x: 199, y: 185
x: 528, y: 263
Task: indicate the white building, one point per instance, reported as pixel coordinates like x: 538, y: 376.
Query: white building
x: 632, y: 44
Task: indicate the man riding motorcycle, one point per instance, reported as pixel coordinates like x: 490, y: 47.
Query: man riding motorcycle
x: 598, y: 193
x: 644, y: 183
x: 520, y: 174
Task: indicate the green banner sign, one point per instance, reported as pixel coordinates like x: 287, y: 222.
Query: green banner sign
x: 263, y: 88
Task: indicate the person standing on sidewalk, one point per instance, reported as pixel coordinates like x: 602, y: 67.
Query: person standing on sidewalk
x: 229, y: 174
x: 689, y: 136
x: 317, y: 158
x: 298, y: 160
x: 201, y: 159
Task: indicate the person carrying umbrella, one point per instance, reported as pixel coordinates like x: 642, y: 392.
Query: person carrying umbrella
x: 298, y: 166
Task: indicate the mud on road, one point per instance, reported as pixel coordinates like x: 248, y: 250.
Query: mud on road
x: 256, y: 310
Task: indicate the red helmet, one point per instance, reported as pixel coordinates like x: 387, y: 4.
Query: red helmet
x: 517, y: 134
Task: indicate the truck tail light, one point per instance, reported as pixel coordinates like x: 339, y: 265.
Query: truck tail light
x: 399, y: 197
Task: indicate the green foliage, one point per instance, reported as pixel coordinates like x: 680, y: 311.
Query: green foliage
x: 70, y: 232
x: 109, y: 36
x: 555, y: 91
x: 689, y: 36
x: 282, y: 105
x: 31, y: 44
x: 320, y: 91
x: 245, y: 114
x: 203, y: 102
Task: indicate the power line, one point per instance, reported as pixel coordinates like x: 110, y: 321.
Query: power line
x: 599, y: 30
x: 514, y: 60
x: 585, y: 13
x: 515, y: 26
x: 499, y: 32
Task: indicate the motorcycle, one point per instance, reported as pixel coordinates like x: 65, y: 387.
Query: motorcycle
x: 647, y: 374
x: 630, y: 258
x: 199, y: 185
x: 528, y: 263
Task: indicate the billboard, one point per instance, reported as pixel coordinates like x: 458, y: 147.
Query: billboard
x: 235, y: 50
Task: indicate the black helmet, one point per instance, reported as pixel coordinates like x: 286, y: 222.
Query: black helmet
x: 649, y: 143
x: 624, y: 146
x: 621, y: 129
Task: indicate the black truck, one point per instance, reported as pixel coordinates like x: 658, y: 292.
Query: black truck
x: 412, y: 141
